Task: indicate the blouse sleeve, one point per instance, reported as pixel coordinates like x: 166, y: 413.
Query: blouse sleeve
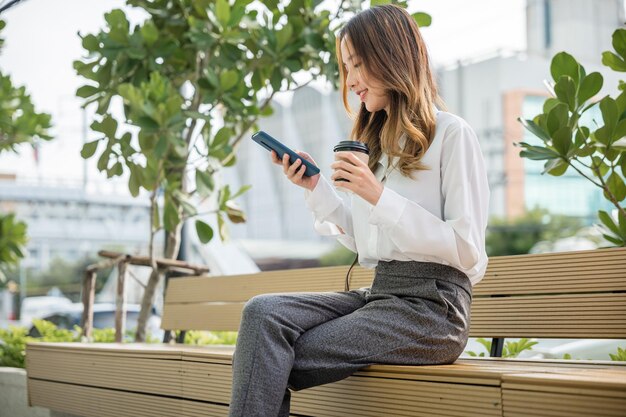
x: 458, y: 238
x: 329, y: 211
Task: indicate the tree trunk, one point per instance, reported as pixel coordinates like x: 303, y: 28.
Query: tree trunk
x: 171, y: 252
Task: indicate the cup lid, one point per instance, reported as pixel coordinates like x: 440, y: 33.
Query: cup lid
x: 351, y: 145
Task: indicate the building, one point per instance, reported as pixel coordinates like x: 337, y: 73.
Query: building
x: 492, y: 92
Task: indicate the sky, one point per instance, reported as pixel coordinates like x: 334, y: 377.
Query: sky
x: 41, y: 42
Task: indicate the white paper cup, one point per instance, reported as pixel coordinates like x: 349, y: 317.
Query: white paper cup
x: 359, y: 149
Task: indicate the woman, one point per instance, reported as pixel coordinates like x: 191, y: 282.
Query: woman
x: 418, y: 215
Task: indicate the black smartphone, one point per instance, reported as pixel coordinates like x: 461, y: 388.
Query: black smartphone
x: 272, y: 144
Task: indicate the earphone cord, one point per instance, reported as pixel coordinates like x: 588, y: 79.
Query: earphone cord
x: 347, y: 286
x: 356, y: 258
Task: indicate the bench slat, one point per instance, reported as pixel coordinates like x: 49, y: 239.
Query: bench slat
x: 558, y: 316
x: 570, y: 273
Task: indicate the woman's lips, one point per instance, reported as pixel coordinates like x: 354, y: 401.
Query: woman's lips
x: 362, y: 95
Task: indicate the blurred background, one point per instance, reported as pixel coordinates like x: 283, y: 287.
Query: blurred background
x: 490, y: 58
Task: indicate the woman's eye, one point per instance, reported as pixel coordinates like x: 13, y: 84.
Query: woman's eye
x: 357, y: 65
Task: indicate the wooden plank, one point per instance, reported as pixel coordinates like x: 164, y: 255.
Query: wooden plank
x: 606, y: 253
x: 88, y: 402
x: 550, y: 316
x: 562, y: 402
x: 376, y: 397
x: 574, y: 274
x: 215, y: 316
x: 243, y: 287
x: 608, y: 383
x: 95, y: 402
x: 490, y: 316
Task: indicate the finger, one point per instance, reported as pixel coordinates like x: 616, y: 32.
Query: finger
x: 294, y: 167
x: 349, y: 157
x: 285, y: 163
x: 308, y: 157
x: 275, y: 158
x: 346, y: 166
x: 344, y: 185
x: 342, y: 174
x: 300, y: 173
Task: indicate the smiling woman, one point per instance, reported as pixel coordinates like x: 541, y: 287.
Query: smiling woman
x: 417, y: 213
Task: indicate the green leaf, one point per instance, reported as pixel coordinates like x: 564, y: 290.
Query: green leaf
x: 607, y: 220
x: 557, y: 118
x: 599, y: 164
x: 223, y: 197
x: 379, y: 2
x: 608, y: 107
x: 549, y: 104
x: 616, y: 185
x: 204, y: 183
x: 170, y: 215
x: 117, y: 169
x: 228, y: 79
x: 221, y: 139
x: 556, y: 167
x: 205, y: 232
x: 222, y: 12
x: 562, y: 140
x: 149, y: 33
x: 147, y: 123
x: 188, y: 208
x: 161, y: 146
x: 276, y: 79
x: 615, y: 241
x: 108, y: 126
x: 90, y: 43
x: 422, y: 19
x: 620, y: 133
x: 620, y: 101
x: 619, y: 42
x: 87, y: 91
x: 222, y: 227
x: 537, y: 153
x: 613, y: 61
x: 590, y: 86
x: 283, y: 37
x: 564, y: 64
x: 103, y: 161
x: 535, y: 129
x: 89, y: 149
x: 565, y: 90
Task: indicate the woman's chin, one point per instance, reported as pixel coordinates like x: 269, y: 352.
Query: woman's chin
x: 372, y: 108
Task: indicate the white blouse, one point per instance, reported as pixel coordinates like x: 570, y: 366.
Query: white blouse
x: 440, y: 215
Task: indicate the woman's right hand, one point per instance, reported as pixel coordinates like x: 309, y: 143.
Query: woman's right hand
x: 295, y: 171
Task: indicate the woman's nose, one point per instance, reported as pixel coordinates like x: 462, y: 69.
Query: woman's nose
x: 351, y: 81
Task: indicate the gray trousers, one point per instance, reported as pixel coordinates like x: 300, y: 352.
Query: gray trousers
x: 415, y: 313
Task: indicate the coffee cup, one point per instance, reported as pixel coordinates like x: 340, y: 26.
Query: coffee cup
x: 359, y: 149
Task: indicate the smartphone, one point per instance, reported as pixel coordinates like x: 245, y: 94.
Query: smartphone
x: 272, y: 144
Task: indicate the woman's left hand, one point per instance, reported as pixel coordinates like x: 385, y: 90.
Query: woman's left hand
x: 361, y: 179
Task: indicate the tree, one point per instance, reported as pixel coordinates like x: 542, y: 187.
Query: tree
x: 597, y: 155
x: 19, y: 124
x: 194, y: 78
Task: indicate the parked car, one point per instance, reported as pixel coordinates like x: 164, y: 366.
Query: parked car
x: 103, y: 318
x: 38, y: 307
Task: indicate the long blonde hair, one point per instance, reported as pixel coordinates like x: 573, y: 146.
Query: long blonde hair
x: 391, y: 48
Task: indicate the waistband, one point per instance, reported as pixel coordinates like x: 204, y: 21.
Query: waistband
x: 425, y: 270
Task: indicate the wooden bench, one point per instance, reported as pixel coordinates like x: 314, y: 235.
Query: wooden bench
x: 563, y: 295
